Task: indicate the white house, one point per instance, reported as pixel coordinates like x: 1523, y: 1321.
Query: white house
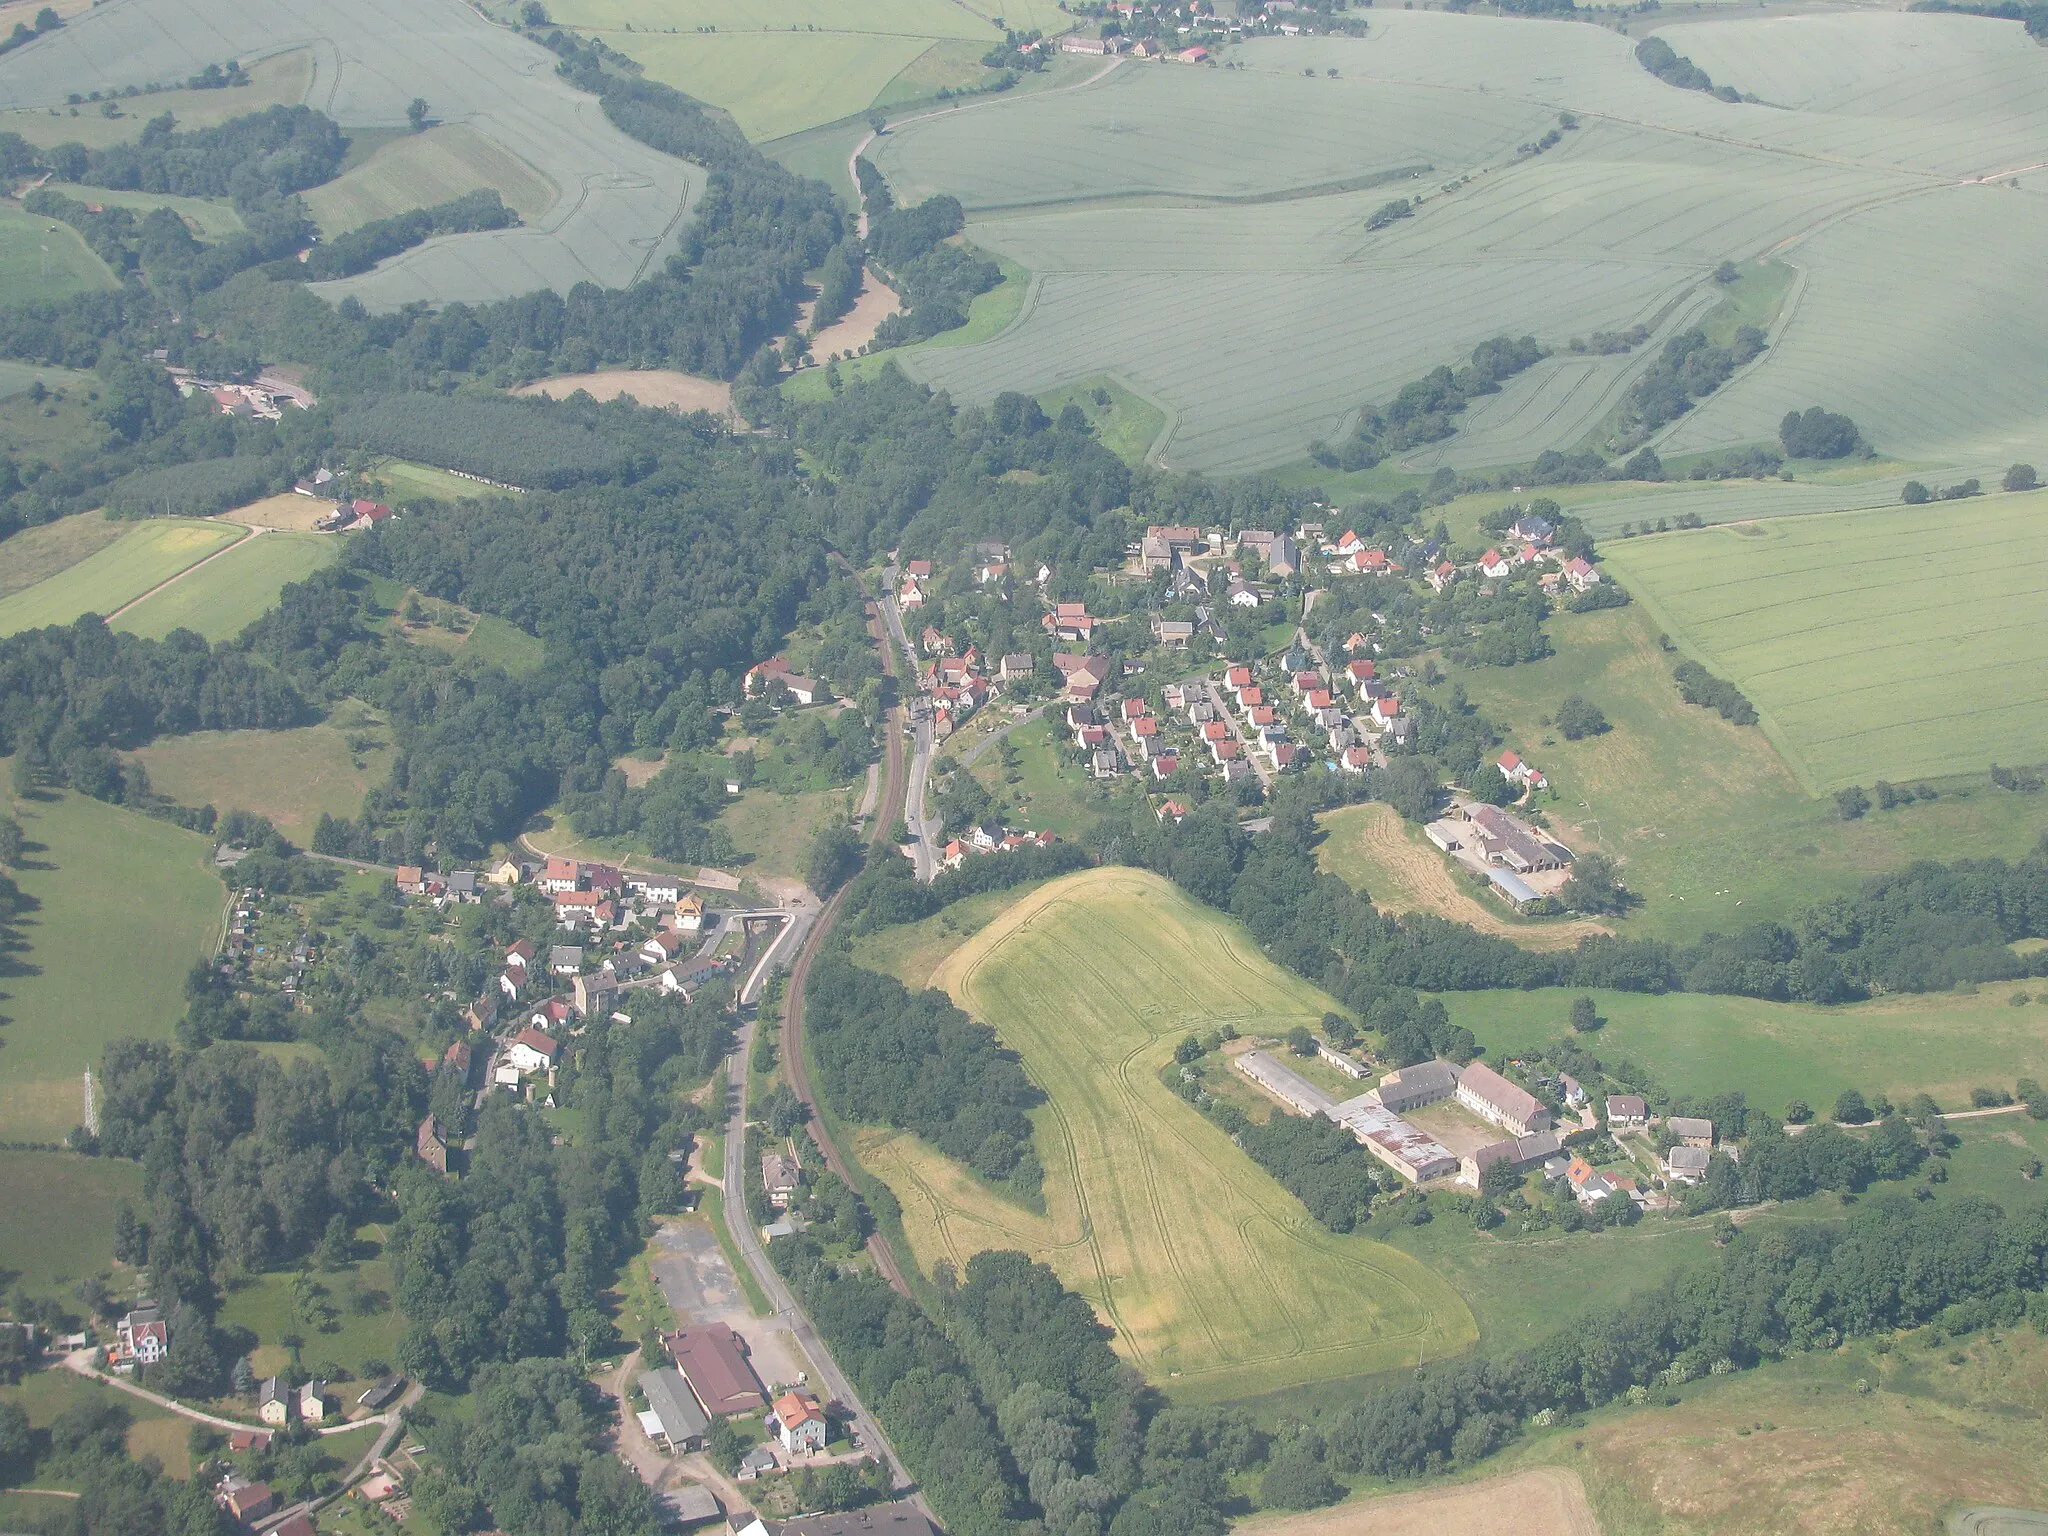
x: 798, y: 1422
x: 531, y: 1051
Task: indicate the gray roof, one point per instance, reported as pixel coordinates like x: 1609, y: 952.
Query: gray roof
x: 901, y: 1518
x: 1686, y: 1125
x: 672, y: 1401
x: 1516, y: 888
x: 1626, y: 1105
x: 1418, y: 1084
x: 1688, y: 1159
x: 566, y: 954
x: 692, y: 1503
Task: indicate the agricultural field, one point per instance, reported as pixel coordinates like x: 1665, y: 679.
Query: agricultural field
x: 1261, y: 243
x: 36, y: 554
x: 1900, y: 644
x: 422, y: 169
x: 222, y: 597
x: 624, y: 204
x: 283, y: 79
x: 208, y: 219
x: 1944, y: 1043
x: 102, y: 877
x: 146, y: 555
x: 1730, y: 839
x: 60, y: 1218
x: 292, y: 776
x: 644, y: 386
x: 1543, y: 1500
x: 1216, y: 1282
x: 42, y: 261
x: 791, y: 65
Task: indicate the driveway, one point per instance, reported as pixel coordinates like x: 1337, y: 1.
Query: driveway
x: 697, y: 1281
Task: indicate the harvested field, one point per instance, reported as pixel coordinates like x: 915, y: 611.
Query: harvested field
x: 1217, y: 1283
x: 1900, y: 644
x: 1164, y: 238
x: 856, y: 328
x: 1544, y: 1501
x: 649, y: 386
x: 222, y: 596
x: 289, y: 513
x: 622, y: 204
x: 144, y: 556
x: 36, y: 554
x: 422, y: 169
x: 1373, y: 849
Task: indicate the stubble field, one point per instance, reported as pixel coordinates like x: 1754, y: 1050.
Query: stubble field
x: 1898, y: 644
x: 1216, y: 1281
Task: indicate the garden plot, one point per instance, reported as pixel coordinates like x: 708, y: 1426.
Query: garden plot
x: 622, y: 204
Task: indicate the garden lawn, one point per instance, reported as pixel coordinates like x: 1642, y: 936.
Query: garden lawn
x: 292, y: 777
x: 144, y: 556
x: 1217, y: 1283
x: 1899, y: 643
x: 1712, y: 829
x: 123, y: 906
x: 1051, y: 793
x: 227, y: 595
x: 59, y: 1224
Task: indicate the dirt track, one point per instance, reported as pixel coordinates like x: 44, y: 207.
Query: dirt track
x: 1414, y: 879
x: 1545, y: 1501
x: 856, y: 328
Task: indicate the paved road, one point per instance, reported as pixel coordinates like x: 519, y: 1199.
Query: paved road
x: 1245, y: 747
x: 896, y: 644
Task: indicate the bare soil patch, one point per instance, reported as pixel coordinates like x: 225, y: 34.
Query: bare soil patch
x: 638, y: 770
x: 856, y: 328
x: 291, y: 511
x: 1371, y: 847
x: 1545, y: 1501
x: 662, y: 387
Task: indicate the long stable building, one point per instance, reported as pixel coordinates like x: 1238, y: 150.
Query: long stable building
x: 1408, y: 1150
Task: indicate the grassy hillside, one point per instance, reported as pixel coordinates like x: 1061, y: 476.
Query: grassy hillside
x: 222, y: 598
x: 289, y: 776
x: 1216, y: 1281
x: 36, y: 554
x: 115, y: 575
x: 42, y: 261
x: 123, y: 906
x: 1898, y: 644
x: 420, y: 170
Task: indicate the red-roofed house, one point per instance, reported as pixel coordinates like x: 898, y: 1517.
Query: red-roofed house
x: 1580, y: 574
x: 1350, y: 544
x: 1384, y: 711
x: 1442, y: 574
x: 799, y: 1422
x: 1356, y: 759
x: 532, y: 1051
x: 1237, y: 678
x: 1493, y: 565
x: 1360, y: 671
x: 1165, y: 765
x: 1170, y: 808
x: 559, y: 875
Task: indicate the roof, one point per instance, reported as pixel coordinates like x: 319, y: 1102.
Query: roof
x: 1510, y: 761
x: 671, y: 1400
x: 1687, y: 1125
x: 901, y: 1518
x: 1484, y: 1083
x: 1627, y: 1106
x: 1512, y: 885
x: 715, y: 1365
x: 534, y: 1040
x: 254, y: 1497
x: 1425, y: 1077
x: 794, y: 1408
x: 1688, y: 1159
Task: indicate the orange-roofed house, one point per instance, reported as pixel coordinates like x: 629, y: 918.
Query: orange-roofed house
x: 799, y: 1422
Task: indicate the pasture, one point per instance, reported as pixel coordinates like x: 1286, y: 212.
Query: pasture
x: 292, y: 776
x: 42, y: 261
x: 1231, y: 276
x: 222, y: 597
x: 46, y: 1394
x: 36, y: 554
x: 146, y: 555
x: 207, y: 219
x: 405, y: 481
x: 105, y: 880
x: 419, y: 170
x: 1711, y: 826
x: 375, y: 56
x: 1900, y: 643
x: 789, y: 65
x: 350, y: 1318
x: 60, y: 1218
x: 1215, y: 1280
x: 1944, y: 1043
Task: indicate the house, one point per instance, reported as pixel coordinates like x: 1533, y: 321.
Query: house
x: 779, y: 1177
x: 1691, y: 1132
x: 1104, y: 765
x: 1134, y: 709
x: 1385, y: 710
x: 1502, y: 840
x: 756, y: 1463
x: 1242, y: 596
x: 713, y: 1360
x: 482, y: 1012
x: 1070, y: 621
x: 504, y: 872
x: 1516, y: 771
x: 1097, y: 45
x: 760, y: 676
x: 665, y: 946
x: 559, y: 875
x: 1412, y: 1087
x: 690, y: 914
x: 249, y: 1502
x: 1015, y: 667
x: 273, y: 1401
x: 1373, y: 562
x: 1627, y: 1112
x: 798, y: 1420
x: 1165, y: 765
x: 1237, y: 678
x: 382, y: 1395
x: 1360, y: 672
x: 1215, y: 730
x: 593, y: 995
x: 410, y: 879
x: 901, y: 1518
x: 934, y: 643
x: 531, y: 1051
x: 1355, y: 759
x: 1687, y: 1165
x: 655, y: 890
x: 1084, y: 674
x: 1519, y: 1153
x: 1250, y: 697
x: 145, y: 1337
x: 1171, y: 809
x: 678, y: 1418
x: 1579, y: 575
x: 1493, y: 565
x: 1350, y: 544
x: 565, y: 959
x: 1492, y: 1097
x: 300, y: 1524
x: 1589, y: 1186
x: 1441, y: 575
x: 1223, y: 750
x: 1287, y: 755
x: 313, y: 1402
x: 1531, y: 529
x: 431, y: 1145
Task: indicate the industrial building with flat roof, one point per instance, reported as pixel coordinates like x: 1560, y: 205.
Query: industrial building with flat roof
x: 1410, y: 1152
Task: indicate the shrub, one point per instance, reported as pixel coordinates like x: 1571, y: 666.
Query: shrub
x: 1851, y: 803
x: 1915, y: 494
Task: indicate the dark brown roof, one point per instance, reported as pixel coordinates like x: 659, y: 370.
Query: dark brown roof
x: 713, y: 1360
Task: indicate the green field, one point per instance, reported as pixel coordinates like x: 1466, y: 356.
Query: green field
x: 224, y: 597
x: 1216, y: 1282
x: 1142, y: 192
x: 1128, y: 425
x: 36, y: 554
x: 292, y: 776
x: 155, y: 1431
x: 281, y: 80
x: 60, y: 1218
x: 420, y: 170
x: 1713, y: 829
x: 42, y: 261
x: 146, y: 555
x: 419, y: 482
x: 1051, y: 794
x: 1944, y: 1044
x: 1900, y: 644
x: 214, y: 219
x: 355, y: 1321
x: 791, y: 65
x: 124, y: 906
x: 776, y: 831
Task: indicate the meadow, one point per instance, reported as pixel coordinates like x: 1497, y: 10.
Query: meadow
x: 223, y: 597
x: 1944, y: 1044
x: 1051, y: 794
x: 209, y: 220
x: 775, y: 831
x: 36, y: 554
x: 373, y: 58
x: 352, y: 1321
x: 1127, y: 423
x: 144, y: 556
x: 60, y: 1219
x: 46, y: 1394
x: 41, y: 262
x: 1164, y: 238
x: 405, y: 481
x: 292, y: 776
x: 1900, y: 643
x: 1711, y: 826
x: 419, y: 170
x: 123, y: 907
x: 1216, y: 1282
x: 790, y: 65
